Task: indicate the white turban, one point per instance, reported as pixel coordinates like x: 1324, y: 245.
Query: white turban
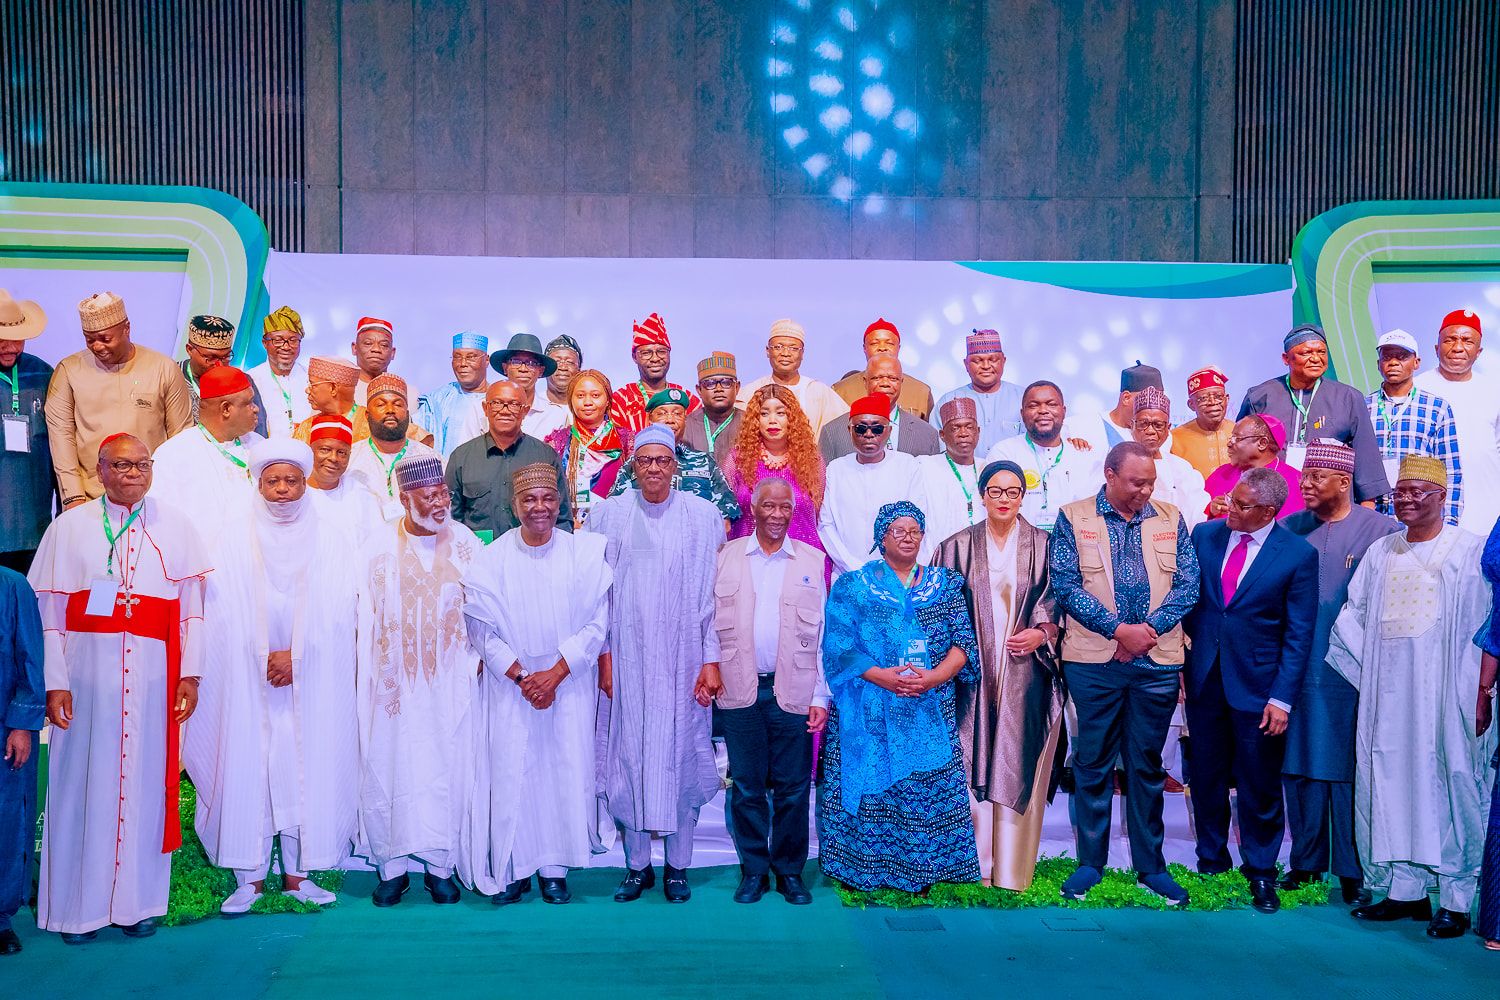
x: 272, y: 450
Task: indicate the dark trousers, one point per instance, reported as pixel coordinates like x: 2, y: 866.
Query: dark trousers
x: 1226, y: 741
x: 1124, y: 711
x: 17, y: 830
x: 1321, y: 817
x: 770, y: 762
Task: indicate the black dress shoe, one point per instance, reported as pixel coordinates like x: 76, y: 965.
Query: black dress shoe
x: 140, y: 929
x: 792, y: 888
x: 555, y: 890
x: 390, y: 890
x: 442, y: 890
x: 1297, y: 878
x: 9, y: 943
x: 635, y: 883
x: 83, y: 938
x: 674, y: 884
x: 1355, y: 893
x: 752, y: 887
x: 1447, y: 924
x: 513, y: 892
x: 1263, y: 896
x: 1395, y: 909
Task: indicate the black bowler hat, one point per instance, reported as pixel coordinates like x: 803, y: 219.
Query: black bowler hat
x: 523, y: 343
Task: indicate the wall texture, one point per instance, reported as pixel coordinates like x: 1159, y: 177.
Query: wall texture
x: 1013, y: 129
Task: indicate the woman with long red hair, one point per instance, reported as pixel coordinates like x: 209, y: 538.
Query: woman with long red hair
x: 592, y: 446
x: 775, y: 439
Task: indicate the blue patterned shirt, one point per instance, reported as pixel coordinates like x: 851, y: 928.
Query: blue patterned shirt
x: 1132, y: 586
x: 1418, y: 424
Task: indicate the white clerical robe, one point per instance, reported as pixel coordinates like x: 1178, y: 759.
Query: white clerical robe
x: 376, y: 471
x: 1180, y: 485
x: 535, y: 605
x: 267, y: 759
x: 285, y: 397
x: 352, y: 505
x: 854, y: 494
x: 1405, y: 640
x: 952, y: 499
x: 206, y: 479
x: 417, y: 681
x: 110, y: 787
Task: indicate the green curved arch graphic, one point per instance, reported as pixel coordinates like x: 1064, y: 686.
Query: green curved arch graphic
x: 1335, y: 255
x: 220, y: 240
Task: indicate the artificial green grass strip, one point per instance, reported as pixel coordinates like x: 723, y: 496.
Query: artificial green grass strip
x: 198, y: 887
x: 1229, y: 891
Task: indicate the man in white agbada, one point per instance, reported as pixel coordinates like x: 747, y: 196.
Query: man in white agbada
x: 859, y: 484
x: 661, y: 668
x: 1056, y: 469
x: 1177, y: 482
x: 1405, y: 641
x: 119, y: 583
x: 340, y: 498
x: 950, y: 481
x: 417, y: 681
x: 373, y: 462
x: 282, y: 377
x: 537, y: 605
x: 273, y: 748
x: 203, y: 469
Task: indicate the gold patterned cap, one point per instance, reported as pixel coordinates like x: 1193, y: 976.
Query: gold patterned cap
x: 536, y: 476
x: 1425, y: 468
x: 212, y: 332
x: 101, y: 311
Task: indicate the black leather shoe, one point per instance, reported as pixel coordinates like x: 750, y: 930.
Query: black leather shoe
x: 442, y: 890
x: 1263, y: 896
x: 1395, y: 909
x: 674, y: 884
x: 390, y: 890
x: 1447, y: 924
x: 555, y: 890
x: 140, y: 929
x: 513, y: 892
x: 635, y: 883
x: 83, y: 938
x: 1297, y: 878
x: 752, y: 887
x: 1355, y: 893
x: 9, y: 943
x: 792, y: 888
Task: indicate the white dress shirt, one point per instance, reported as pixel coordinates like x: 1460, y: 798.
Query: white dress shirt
x: 1257, y: 539
x: 768, y: 573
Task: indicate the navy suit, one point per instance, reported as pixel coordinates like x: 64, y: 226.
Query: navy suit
x: 1240, y: 658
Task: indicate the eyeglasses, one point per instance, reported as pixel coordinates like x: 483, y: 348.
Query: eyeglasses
x: 533, y: 363
x: 906, y: 534
x: 708, y: 385
x: 869, y: 430
x: 1210, y: 397
x: 654, y: 461
x: 1246, y: 437
x: 1005, y: 492
x: 279, y: 342
x: 652, y: 354
x: 786, y: 349
x: 1245, y: 508
x: 1152, y: 425
x: 506, y: 406
x: 123, y: 466
x: 1414, y: 494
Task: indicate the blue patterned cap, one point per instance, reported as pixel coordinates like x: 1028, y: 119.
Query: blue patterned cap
x: 888, y: 515
x: 469, y: 340
x: 655, y: 434
x: 416, y: 472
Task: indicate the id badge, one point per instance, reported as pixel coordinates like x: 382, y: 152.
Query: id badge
x: 1392, y: 467
x: 102, y: 594
x: 17, y: 433
x: 1295, y: 454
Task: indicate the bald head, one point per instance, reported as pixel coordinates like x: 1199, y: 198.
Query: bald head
x: 883, y: 375
x: 505, y: 406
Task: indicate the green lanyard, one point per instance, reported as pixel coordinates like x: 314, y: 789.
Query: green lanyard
x: 713, y: 435
x: 1387, y: 421
x: 233, y: 458
x: 1301, y: 429
x: 285, y: 396
x: 967, y: 495
x: 113, y: 535
x: 390, y: 489
x: 1043, y: 475
x: 14, y: 381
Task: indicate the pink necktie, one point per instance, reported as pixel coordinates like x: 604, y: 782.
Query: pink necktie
x: 1234, y: 566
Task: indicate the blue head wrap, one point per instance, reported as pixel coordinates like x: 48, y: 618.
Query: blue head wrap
x: 989, y: 472
x: 887, y: 516
x: 1301, y: 334
x: 469, y: 340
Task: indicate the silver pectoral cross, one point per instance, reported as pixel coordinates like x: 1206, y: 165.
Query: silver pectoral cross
x: 129, y: 600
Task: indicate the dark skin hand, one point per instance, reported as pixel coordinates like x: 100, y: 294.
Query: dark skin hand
x: 1484, y: 712
x: 540, y: 688
x: 18, y: 748
x: 607, y: 674
x: 279, y: 668
x: 60, y: 704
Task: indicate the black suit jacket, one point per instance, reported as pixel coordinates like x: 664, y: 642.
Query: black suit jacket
x: 915, y: 436
x: 1262, y: 641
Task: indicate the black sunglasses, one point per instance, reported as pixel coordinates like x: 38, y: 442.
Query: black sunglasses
x: 869, y: 430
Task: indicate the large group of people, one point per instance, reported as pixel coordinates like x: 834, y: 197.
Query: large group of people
x: 479, y: 634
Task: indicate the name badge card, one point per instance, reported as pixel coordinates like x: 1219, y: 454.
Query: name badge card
x: 1296, y: 454
x: 102, y: 594
x: 17, y: 433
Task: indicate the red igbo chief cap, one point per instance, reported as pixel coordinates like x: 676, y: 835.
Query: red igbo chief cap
x: 1462, y: 317
x: 883, y: 324
x: 222, y: 380
x: 876, y: 404
x: 331, y: 425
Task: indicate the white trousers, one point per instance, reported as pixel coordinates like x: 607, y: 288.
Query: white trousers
x: 291, y: 860
x: 1455, y: 892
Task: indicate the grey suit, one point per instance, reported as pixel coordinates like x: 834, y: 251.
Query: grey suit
x: 915, y: 436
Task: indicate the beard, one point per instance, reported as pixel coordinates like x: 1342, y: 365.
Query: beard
x: 429, y: 523
x: 380, y: 432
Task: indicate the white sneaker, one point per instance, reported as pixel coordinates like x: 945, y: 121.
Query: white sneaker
x: 310, y: 892
x: 240, y: 901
